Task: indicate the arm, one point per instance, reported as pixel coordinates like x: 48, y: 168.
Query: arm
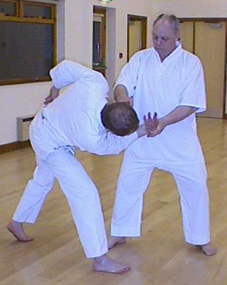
x: 110, y: 144
x: 121, y: 94
x: 68, y: 72
x: 125, y: 86
x: 177, y: 115
x: 53, y: 94
x: 105, y: 143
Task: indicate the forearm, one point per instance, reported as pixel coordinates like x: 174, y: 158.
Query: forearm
x: 177, y: 115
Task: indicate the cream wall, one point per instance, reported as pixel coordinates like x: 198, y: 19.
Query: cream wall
x: 78, y: 18
x: 75, y: 42
x: 75, y: 26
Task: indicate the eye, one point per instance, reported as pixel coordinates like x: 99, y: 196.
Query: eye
x: 165, y: 39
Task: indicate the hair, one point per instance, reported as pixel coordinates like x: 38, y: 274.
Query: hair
x: 171, y: 19
x: 119, y: 118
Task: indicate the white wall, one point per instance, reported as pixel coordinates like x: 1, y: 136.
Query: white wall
x: 18, y: 100
x: 75, y: 42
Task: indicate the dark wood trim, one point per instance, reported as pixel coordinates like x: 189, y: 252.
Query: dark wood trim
x: 24, y: 80
x: 193, y: 44
x: 207, y: 20
x: 20, y: 19
x: 14, y: 146
x: 54, y: 16
x: 225, y: 88
x: 102, y: 11
x: 26, y: 20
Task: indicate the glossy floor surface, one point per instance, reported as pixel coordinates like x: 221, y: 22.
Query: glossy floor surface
x: 159, y: 257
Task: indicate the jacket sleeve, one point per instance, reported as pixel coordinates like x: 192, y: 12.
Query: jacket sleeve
x: 193, y: 92
x: 95, y: 139
x: 68, y: 72
x: 129, y: 73
x: 108, y: 144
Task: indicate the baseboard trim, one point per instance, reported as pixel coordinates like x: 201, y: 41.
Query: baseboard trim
x: 14, y: 146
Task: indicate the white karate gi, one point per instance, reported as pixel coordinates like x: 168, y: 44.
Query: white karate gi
x: 161, y: 87
x: 71, y: 120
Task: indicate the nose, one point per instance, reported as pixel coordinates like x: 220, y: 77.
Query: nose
x: 159, y: 41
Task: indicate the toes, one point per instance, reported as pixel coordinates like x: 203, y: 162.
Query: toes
x: 126, y: 269
x: 19, y: 237
x: 208, y: 250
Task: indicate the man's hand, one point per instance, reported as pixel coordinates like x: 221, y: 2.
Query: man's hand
x: 128, y: 100
x: 121, y: 95
x: 152, y: 125
x: 54, y: 93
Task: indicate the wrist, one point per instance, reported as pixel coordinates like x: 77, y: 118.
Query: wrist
x: 163, y: 122
x: 141, y: 131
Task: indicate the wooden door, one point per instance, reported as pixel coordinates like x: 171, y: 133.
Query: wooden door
x: 186, y: 35
x: 210, y: 47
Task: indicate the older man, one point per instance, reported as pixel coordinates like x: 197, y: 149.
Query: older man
x: 80, y: 117
x: 168, y: 80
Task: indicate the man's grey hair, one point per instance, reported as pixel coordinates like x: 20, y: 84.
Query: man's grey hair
x: 172, y: 19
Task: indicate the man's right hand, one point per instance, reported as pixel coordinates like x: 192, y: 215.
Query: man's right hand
x: 151, y: 124
x: 121, y: 95
x: 54, y: 93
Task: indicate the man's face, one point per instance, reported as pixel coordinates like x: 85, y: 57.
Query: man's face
x: 164, y: 39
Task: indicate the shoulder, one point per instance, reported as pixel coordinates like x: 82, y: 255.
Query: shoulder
x: 144, y: 52
x: 191, y: 59
x: 142, y: 55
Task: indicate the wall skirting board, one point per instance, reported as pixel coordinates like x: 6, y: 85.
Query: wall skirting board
x: 14, y: 146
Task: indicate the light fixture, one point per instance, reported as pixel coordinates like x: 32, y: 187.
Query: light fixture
x: 105, y: 1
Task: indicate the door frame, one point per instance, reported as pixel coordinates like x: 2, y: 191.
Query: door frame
x: 102, y: 12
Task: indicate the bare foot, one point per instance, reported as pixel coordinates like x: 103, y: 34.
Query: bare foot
x: 115, y: 240
x: 207, y: 249
x: 108, y: 265
x: 17, y: 231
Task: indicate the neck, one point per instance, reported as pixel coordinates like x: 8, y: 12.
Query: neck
x: 163, y: 56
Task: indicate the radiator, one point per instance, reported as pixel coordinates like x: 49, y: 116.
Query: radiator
x: 23, y: 127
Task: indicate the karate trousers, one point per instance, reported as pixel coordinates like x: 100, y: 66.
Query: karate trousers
x: 80, y: 192
x: 194, y: 200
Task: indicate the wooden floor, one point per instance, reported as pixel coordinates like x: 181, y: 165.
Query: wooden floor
x: 159, y: 257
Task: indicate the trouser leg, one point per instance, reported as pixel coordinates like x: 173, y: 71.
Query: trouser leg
x: 35, y: 194
x: 83, y: 199
x: 194, y: 200
x: 133, y: 181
